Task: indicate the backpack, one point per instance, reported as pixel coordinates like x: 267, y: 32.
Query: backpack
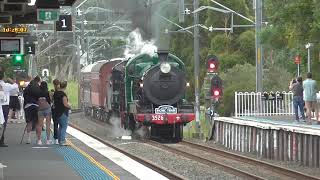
x: 3, y: 97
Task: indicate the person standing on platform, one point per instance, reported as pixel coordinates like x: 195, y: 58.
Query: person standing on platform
x: 31, y: 94
x: 62, y: 108
x: 298, y: 102
x: 4, y: 102
x: 14, y: 104
x: 310, y: 97
x: 44, y: 112
x: 56, y: 84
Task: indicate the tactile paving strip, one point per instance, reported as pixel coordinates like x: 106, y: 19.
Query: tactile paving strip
x: 86, y: 169
x: 83, y: 164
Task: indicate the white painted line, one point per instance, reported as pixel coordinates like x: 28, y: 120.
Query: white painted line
x: 41, y: 147
x: 135, y: 168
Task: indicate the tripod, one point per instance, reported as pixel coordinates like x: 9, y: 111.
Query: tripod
x: 24, y: 132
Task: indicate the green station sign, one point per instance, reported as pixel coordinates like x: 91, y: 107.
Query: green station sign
x: 48, y: 14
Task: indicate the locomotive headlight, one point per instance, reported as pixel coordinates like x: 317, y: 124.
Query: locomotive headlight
x: 165, y: 67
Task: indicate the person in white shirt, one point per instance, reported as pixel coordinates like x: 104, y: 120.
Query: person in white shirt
x: 6, y: 87
x: 14, y: 103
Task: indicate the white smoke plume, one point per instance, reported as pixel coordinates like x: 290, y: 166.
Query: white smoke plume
x: 117, y: 130
x: 136, y: 45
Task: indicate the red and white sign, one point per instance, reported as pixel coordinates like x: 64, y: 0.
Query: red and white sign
x: 297, y: 60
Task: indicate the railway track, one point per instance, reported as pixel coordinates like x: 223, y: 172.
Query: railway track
x: 153, y: 166
x: 224, y: 167
x: 277, y: 171
x: 261, y: 164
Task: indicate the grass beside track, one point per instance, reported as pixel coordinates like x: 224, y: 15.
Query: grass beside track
x: 190, y: 130
x: 72, y: 93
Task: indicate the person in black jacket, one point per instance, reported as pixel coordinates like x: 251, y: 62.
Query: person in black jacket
x: 31, y: 95
x: 56, y: 84
x: 44, y: 112
x: 62, y: 107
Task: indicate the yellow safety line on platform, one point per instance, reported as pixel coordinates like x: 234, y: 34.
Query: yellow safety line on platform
x: 91, y: 159
x: 103, y: 168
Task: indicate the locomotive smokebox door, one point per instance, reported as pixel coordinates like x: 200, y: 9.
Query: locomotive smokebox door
x: 164, y: 89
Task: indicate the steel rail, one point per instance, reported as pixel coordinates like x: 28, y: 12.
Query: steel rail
x: 224, y: 167
x: 151, y: 165
x: 275, y: 168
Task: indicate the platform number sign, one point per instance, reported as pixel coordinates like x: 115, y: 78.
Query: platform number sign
x: 30, y: 49
x: 64, y: 23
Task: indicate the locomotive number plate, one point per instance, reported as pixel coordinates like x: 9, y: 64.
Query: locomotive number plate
x: 165, y: 109
x: 157, y: 117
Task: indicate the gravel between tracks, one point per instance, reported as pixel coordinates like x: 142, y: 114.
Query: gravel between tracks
x: 233, y: 163
x: 288, y: 164
x: 183, y: 166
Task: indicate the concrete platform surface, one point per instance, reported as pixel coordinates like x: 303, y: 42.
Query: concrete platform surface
x: 32, y: 162
x: 54, y: 162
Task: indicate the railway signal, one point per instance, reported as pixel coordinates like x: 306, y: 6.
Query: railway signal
x: 212, y: 64
x: 17, y: 59
x: 216, y: 87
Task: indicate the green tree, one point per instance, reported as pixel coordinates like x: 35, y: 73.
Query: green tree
x: 239, y: 78
x: 291, y: 25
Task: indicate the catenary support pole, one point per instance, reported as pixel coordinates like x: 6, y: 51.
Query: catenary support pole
x: 196, y: 63
x: 259, y: 50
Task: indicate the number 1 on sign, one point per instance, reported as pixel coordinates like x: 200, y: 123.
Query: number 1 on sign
x: 30, y: 50
x: 63, y: 23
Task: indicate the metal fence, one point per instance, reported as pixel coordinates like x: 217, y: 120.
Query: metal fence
x: 263, y: 104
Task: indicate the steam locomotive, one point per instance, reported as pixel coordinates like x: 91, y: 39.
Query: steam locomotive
x: 146, y: 90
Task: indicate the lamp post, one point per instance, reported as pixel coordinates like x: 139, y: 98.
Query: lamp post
x: 308, y: 46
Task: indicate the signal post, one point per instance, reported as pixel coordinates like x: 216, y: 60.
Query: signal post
x: 213, y: 91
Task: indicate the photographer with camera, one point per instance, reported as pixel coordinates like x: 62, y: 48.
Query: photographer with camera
x: 298, y: 103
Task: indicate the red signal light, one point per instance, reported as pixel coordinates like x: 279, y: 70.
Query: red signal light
x: 216, y: 92
x: 216, y: 87
x: 212, y: 64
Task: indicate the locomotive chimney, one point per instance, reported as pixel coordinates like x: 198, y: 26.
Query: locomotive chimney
x: 163, y: 55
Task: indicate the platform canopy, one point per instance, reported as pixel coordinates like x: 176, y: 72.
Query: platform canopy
x: 25, y: 11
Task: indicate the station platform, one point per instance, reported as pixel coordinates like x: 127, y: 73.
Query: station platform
x: 83, y: 158
x: 271, y: 137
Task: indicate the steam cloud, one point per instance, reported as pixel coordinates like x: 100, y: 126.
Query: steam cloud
x: 136, y: 45
x: 117, y: 130
x: 145, y: 15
